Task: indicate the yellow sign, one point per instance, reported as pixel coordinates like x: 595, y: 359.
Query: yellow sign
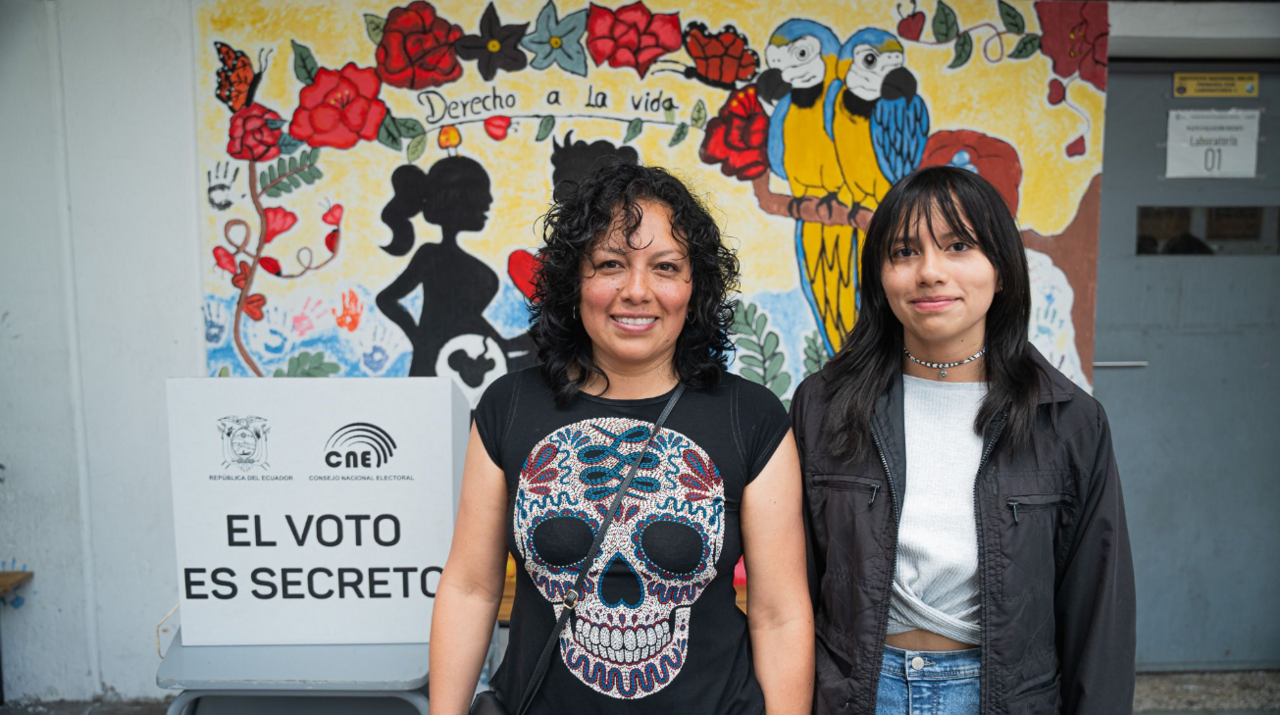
x: 1215, y: 84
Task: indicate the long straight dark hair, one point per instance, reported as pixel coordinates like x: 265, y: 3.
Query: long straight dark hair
x: 872, y: 355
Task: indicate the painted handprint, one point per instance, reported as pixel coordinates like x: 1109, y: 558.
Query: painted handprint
x: 221, y: 180
x: 376, y: 357
x: 309, y: 317
x: 349, y: 318
x: 271, y: 335
x: 215, y: 322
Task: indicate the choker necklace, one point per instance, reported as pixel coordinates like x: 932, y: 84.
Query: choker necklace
x: 943, y: 367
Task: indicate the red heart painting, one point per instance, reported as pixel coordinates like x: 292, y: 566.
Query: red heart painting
x: 522, y: 266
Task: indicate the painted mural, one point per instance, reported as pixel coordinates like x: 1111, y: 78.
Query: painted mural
x: 374, y: 173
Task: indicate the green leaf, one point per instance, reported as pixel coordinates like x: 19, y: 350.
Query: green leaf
x: 633, y: 129
x: 545, y: 127
x: 306, y: 176
x: 682, y: 131
x: 389, y: 132
x: 304, y: 63
x: 1027, y: 46
x: 699, y: 116
x: 761, y: 321
x: 770, y: 344
x: 293, y: 163
x: 262, y: 179
x: 373, y: 27
x: 224, y: 371
x: 752, y: 360
x: 315, y: 172
x: 304, y: 157
x: 279, y: 373
x: 749, y: 344
x: 774, y: 366
x: 329, y: 368
x: 945, y: 24
x: 271, y: 174
x: 753, y: 375
x: 780, y: 385
x: 669, y: 115
x: 1012, y: 19
x: 315, y: 155
x: 288, y: 144
x: 273, y: 192
x: 410, y: 128
x: 282, y: 166
x: 417, y: 146
x: 276, y: 123
x: 964, y: 50
x: 293, y: 366
x: 295, y: 181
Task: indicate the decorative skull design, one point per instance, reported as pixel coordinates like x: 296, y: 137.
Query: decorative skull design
x: 629, y: 634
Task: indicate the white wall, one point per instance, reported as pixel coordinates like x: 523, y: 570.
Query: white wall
x: 99, y: 272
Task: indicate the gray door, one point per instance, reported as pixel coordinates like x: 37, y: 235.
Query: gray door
x: 1195, y: 430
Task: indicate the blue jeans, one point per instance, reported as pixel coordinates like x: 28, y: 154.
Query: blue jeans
x: 922, y: 682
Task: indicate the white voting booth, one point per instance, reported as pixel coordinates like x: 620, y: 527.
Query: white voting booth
x: 312, y: 520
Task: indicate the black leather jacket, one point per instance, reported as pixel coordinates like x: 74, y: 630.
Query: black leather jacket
x: 1054, y: 566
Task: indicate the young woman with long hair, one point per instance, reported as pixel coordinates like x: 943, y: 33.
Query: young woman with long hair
x: 968, y: 548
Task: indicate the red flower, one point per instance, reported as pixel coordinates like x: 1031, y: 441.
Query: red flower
x: 270, y: 265
x: 333, y: 216
x: 1076, y: 148
x: 278, y: 221
x: 522, y: 267
x: 417, y: 49
x: 631, y: 36
x: 737, y: 138
x: 993, y: 159
x: 339, y: 109
x: 224, y: 259
x: 331, y: 241
x: 497, y: 127
x: 1075, y: 36
x: 250, y: 137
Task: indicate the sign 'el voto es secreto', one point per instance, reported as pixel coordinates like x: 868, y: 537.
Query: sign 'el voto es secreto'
x: 312, y: 511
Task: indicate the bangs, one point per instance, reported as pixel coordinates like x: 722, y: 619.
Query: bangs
x: 627, y: 215
x: 929, y: 203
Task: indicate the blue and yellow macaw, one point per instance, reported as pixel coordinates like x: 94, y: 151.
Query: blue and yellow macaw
x: 876, y: 120
x: 802, y: 65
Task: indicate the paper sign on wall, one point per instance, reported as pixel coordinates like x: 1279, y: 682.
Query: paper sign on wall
x: 1212, y: 144
x: 312, y: 511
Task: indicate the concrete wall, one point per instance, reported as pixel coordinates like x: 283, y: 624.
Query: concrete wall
x: 99, y: 279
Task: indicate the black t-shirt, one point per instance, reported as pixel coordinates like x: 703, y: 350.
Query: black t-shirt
x: 659, y: 632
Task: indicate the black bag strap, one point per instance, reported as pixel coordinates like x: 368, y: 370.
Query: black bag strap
x: 571, y: 598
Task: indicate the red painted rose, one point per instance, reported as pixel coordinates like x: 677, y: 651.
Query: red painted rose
x: 737, y: 137
x: 631, y: 36
x: 417, y: 48
x: 339, y: 109
x: 251, y: 138
x: 1074, y: 35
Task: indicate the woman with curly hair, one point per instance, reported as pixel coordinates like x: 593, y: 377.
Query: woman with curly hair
x: 632, y: 310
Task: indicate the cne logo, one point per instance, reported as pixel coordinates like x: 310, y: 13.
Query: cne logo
x: 359, y: 444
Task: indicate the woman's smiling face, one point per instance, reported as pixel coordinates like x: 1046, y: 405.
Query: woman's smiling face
x: 940, y: 288
x: 635, y: 294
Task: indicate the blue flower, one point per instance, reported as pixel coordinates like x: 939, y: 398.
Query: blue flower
x: 558, y: 41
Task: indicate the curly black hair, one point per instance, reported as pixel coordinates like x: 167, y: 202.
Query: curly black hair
x: 578, y: 221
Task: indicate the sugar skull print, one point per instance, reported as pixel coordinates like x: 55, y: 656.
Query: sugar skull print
x: 629, y: 634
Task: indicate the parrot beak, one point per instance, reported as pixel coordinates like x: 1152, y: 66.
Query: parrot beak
x: 898, y: 83
x: 771, y: 87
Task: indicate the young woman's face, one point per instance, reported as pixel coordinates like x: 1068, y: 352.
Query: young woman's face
x: 939, y: 288
x: 635, y: 300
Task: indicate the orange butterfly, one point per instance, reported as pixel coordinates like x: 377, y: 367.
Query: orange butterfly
x: 237, y: 82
